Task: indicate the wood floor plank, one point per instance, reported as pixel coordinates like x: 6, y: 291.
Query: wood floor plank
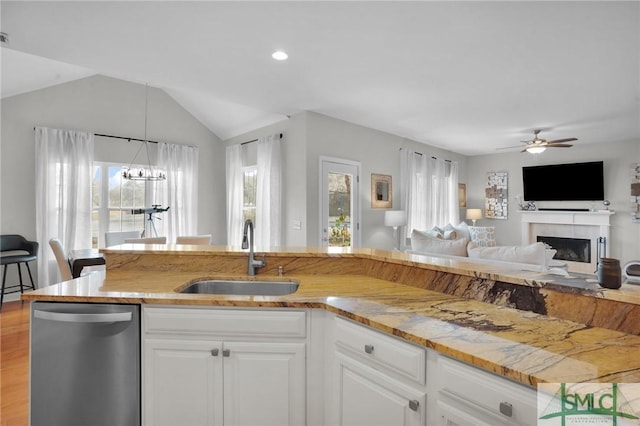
x: 14, y: 364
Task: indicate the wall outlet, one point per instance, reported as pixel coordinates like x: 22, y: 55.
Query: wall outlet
x: 297, y: 225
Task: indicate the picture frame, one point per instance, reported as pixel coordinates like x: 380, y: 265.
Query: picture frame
x: 462, y: 195
x: 496, y: 195
x: 381, y: 191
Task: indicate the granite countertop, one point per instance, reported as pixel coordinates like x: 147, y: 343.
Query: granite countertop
x: 527, y: 347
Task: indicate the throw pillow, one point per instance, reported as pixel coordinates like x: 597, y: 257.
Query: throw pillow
x: 484, y: 236
x: 461, y: 230
x: 449, y: 235
x: 532, y: 253
x: 436, y: 232
x: 441, y: 233
x: 424, y: 242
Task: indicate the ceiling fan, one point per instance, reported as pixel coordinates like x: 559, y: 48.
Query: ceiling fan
x: 538, y: 145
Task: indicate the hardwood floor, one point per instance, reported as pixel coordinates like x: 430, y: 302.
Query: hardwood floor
x: 14, y: 364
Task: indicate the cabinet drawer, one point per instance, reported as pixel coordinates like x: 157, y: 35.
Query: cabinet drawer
x: 222, y: 322
x: 510, y: 402
x: 381, y: 350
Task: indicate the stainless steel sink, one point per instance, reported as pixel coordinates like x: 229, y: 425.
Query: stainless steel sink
x: 252, y: 288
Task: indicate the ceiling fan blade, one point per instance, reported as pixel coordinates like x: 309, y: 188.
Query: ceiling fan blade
x: 562, y: 140
x: 509, y: 147
x: 559, y: 145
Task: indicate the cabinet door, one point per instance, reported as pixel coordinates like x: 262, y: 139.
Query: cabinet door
x: 182, y: 382
x: 368, y: 397
x: 264, y: 384
x: 461, y: 415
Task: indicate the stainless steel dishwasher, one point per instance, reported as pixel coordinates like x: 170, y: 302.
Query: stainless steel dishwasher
x: 85, y: 364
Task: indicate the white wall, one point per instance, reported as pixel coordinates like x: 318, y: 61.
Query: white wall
x: 378, y: 152
x: 101, y: 105
x: 293, y: 151
x: 617, y: 157
x: 307, y: 137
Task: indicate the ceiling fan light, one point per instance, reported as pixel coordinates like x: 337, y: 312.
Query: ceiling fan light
x: 536, y: 149
x: 280, y: 55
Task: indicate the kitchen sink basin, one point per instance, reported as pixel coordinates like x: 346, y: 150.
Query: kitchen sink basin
x: 251, y: 288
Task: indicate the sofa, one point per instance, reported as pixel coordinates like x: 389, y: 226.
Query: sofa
x: 478, y: 243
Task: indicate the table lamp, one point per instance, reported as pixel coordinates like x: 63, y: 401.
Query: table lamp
x: 395, y: 218
x: 473, y: 215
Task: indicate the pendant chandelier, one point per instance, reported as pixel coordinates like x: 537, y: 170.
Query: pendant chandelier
x: 143, y: 173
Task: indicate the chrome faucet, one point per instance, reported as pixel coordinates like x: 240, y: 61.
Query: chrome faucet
x: 246, y: 244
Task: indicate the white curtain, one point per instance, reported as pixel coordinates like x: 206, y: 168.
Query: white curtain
x: 429, y: 191
x: 413, y: 171
x: 443, y: 195
x: 268, y: 227
x: 64, y: 171
x: 179, y: 191
x: 234, y: 195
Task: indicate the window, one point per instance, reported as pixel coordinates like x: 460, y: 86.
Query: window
x: 430, y: 188
x: 249, y: 184
x: 113, y: 198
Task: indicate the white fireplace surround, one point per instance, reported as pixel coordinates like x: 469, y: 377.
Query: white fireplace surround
x: 568, y: 224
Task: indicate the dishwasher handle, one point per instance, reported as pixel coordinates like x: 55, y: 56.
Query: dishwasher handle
x: 83, y: 318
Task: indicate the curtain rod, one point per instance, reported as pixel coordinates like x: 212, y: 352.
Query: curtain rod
x: 120, y: 137
x: 421, y: 154
x: 125, y: 138
x: 255, y: 140
x: 135, y: 139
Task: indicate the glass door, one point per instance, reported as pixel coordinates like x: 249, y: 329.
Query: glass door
x: 340, y: 207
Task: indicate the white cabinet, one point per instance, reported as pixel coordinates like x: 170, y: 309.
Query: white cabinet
x: 264, y: 383
x: 368, y: 397
x: 379, y: 380
x: 467, y: 395
x: 182, y: 383
x: 216, y: 367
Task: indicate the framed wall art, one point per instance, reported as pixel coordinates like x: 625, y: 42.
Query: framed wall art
x: 381, y: 191
x: 462, y: 195
x: 496, y: 195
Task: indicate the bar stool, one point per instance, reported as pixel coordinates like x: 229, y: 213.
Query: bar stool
x: 16, y: 249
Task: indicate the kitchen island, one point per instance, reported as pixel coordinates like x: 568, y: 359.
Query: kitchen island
x: 525, y: 326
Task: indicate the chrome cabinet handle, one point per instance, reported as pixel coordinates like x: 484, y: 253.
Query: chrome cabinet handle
x: 414, y: 404
x: 506, y: 409
x: 214, y: 352
x: 226, y: 352
x: 368, y: 349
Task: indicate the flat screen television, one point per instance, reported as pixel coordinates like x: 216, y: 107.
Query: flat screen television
x: 564, y: 182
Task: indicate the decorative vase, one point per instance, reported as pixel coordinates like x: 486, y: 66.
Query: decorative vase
x: 609, y: 273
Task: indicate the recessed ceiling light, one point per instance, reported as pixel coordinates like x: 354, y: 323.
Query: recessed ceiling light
x: 279, y: 55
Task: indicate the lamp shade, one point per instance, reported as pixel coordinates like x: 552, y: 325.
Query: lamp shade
x: 395, y: 218
x: 474, y: 214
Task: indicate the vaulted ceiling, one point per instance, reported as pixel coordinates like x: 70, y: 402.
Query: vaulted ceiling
x: 470, y: 77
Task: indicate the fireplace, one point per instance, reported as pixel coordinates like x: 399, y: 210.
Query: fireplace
x: 570, y: 249
x: 582, y: 230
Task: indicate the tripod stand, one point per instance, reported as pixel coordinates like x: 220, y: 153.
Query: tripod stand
x: 152, y: 226
x: 155, y: 208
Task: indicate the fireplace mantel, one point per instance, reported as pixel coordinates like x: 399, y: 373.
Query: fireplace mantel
x: 598, y: 222
x: 566, y: 217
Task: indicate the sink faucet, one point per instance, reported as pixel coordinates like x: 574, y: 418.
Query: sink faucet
x: 246, y: 244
